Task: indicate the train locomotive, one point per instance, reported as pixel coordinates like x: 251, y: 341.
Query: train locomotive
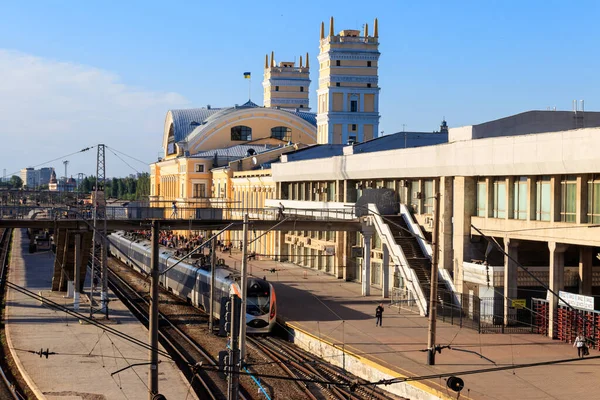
x: 190, y: 281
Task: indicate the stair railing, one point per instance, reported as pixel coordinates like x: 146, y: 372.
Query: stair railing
x: 398, y: 257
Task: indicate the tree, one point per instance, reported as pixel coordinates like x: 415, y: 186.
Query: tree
x: 16, y: 182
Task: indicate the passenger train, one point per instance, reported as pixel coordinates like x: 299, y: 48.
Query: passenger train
x: 191, y: 282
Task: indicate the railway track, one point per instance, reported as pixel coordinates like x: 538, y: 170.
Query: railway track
x: 8, y: 389
x: 303, y: 365
x: 267, y: 357
x: 206, y: 383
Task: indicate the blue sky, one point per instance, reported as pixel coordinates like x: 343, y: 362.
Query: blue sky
x: 79, y: 73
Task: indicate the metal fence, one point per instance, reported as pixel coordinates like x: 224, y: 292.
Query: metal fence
x: 485, y: 315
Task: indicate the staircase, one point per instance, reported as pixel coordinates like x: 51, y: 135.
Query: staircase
x: 411, y: 253
x: 420, y: 263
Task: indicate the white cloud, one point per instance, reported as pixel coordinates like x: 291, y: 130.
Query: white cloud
x: 50, y: 108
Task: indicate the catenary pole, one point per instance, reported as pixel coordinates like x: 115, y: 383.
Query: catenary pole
x: 244, y: 289
x: 153, y: 320
x: 213, y: 267
x: 434, y: 279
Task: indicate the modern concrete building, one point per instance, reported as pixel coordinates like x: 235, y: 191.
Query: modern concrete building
x: 29, y: 177
x: 537, y: 195
x: 348, y: 93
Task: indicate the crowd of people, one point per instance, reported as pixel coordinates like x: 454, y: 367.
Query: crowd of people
x: 182, y: 244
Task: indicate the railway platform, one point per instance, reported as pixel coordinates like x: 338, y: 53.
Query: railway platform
x: 331, y: 318
x: 81, y: 357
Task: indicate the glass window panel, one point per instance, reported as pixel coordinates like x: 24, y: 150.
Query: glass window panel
x: 500, y: 199
x: 481, y: 198
x: 428, y: 196
x: 520, y: 199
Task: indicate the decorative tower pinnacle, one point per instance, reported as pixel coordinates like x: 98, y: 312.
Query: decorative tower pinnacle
x: 286, y: 85
x: 348, y: 93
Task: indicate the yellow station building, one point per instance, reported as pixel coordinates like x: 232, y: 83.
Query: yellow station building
x: 221, y: 157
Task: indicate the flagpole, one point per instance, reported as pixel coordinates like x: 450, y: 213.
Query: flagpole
x: 249, y: 88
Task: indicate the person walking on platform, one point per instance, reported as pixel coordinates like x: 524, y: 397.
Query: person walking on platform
x: 379, y: 314
x: 174, y: 213
x: 580, y: 344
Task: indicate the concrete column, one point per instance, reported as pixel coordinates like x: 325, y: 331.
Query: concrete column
x: 489, y: 187
x: 585, y: 270
x: 367, y: 232
x: 531, y: 203
x: 385, y: 273
x: 555, y: 197
x: 557, y: 281
x: 464, y: 202
x: 510, y: 197
x: 77, y: 274
x: 582, y: 199
x: 511, y: 247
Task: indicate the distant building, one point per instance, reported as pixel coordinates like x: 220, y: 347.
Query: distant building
x: 64, y: 185
x: 44, y: 175
x: 32, y: 178
x: 29, y: 177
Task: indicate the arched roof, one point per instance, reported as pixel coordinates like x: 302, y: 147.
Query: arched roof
x: 186, y: 120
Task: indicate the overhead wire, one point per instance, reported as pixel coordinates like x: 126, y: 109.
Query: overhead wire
x: 127, y: 155
x: 55, y: 159
x: 125, y: 162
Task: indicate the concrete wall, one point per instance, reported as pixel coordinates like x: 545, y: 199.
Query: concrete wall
x: 566, y: 152
x: 527, y: 123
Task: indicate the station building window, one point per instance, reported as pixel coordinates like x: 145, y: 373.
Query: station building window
x: 241, y: 132
x: 543, y: 195
x: 568, y: 198
x: 594, y: 199
x: 281, y: 132
x: 199, y: 168
x: 330, y: 191
x: 499, y: 198
x: 520, y: 198
x: 428, y: 196
x: 481, y: 198
x: 414, y: 196
x: 199, y: 190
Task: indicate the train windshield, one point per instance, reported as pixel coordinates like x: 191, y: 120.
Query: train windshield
x: 258, y: 297
x: 258, y: 305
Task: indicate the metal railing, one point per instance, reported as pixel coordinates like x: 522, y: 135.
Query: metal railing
x: 185, y: 213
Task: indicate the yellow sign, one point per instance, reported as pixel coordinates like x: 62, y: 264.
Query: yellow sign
x: 519, y: 303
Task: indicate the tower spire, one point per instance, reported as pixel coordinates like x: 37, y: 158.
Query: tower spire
x: 331, y: 26
x: 322, y: 30
x: 366, y: 30
x: 300, y: 61
x: 376, y: 29
x: 266, y: 61
x: 307, y: 66
x: 272, y: 59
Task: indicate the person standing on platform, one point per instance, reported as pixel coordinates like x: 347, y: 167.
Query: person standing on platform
x: 580, y: 344
x: 174, y: 213
x: 379, y: 314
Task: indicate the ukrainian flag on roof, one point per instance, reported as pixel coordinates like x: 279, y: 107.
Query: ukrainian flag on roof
x: 246, y: 75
